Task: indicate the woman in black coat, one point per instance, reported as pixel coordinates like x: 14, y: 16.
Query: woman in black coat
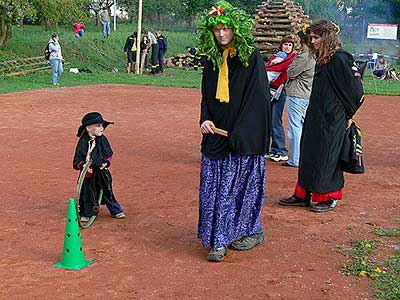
x: 336, y: 95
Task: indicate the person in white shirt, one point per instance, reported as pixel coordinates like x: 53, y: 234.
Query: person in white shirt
x: 56, y: 59
x: 153, y: 44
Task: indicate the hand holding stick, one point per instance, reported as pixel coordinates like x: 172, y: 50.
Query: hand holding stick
x: 209, y: 127
x: 220, y: 131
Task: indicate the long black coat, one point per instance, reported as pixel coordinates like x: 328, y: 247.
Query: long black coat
x: 247, y: 115
x: 336, y: 95
x: 100, y: 180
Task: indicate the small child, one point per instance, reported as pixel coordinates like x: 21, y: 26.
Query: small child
x: 278, y: 57
x: 94, y: 146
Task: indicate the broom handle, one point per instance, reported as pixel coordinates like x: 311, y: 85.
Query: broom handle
x: 220, y: 131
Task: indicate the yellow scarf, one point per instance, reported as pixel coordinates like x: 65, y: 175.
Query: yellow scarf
x: 223, y: 80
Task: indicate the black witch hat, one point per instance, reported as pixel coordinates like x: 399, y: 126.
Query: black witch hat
x: 92, y: 118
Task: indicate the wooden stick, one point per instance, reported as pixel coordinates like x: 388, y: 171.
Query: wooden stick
x: 220, y: 131
x: 139, y: 38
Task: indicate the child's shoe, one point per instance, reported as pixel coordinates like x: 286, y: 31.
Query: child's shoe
x: 120, y: 215
x: 84, y: 219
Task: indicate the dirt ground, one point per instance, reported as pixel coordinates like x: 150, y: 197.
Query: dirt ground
x: 154, y: 253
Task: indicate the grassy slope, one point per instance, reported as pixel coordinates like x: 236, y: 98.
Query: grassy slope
x: 101, y: 56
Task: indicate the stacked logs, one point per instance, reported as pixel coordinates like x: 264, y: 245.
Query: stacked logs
x: 186, y: 61
x: 275, y: 19
x: 179, y: 60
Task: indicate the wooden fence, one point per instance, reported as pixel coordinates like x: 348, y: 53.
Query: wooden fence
x: 20, y: 66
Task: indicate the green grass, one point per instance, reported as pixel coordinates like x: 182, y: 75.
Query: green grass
x: 373, y: 86
x: 171, y: 77
x: 102, y: 55
x: 92, y: 51
x: 394, y: 232
x: 95, y: 53
x: 385, y: 275
x: 388, y: 284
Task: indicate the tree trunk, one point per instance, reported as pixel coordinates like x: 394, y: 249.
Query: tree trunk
x: 5, y: 32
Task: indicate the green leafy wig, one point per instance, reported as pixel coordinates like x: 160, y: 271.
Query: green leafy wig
x: 236, y: 19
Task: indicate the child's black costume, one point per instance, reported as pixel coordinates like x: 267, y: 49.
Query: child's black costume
x: 99, y: 179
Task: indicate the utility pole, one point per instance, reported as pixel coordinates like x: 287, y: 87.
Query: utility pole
x: 115, y: 15
x: 138, y: 39
x: 364, y: 30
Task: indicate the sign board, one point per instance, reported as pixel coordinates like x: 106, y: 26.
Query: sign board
x: 382, y: 31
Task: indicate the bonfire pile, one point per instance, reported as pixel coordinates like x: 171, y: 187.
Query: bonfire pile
x: 275, y: 19
x: 180, y: 60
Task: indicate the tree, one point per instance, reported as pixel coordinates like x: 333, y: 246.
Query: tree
x: 97, y: 5
x: 11, y: 11
x: 51, y: 13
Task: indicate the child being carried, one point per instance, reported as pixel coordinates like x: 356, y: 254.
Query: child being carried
x: 279, y: 57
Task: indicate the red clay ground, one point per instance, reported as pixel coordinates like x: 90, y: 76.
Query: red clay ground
x: 154, y: 253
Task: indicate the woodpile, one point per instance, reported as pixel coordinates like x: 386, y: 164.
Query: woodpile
x: 185, y: 61
x: 275, y: 19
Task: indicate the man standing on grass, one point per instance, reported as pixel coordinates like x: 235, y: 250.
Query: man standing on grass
x: 105, y: 21
x: 162, y: 49
x: 153, y: 44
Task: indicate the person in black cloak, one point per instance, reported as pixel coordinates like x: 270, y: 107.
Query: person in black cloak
x: 94, y: 146
x: 235, y: 98
x: 337, y: 93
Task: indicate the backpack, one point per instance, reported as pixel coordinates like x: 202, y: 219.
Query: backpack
x: 47, y: 51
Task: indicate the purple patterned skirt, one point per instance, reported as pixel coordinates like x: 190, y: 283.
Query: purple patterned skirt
x: 231, y: 198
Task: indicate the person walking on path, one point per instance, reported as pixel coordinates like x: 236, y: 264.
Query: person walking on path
x: 93, y: 147
x: 235, y: 98
x: 336, y: 95
x: 300, y: 78
x: 55, y: 59
x: 278, y: 151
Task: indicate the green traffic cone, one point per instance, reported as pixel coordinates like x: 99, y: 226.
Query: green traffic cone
x: 72, y: 256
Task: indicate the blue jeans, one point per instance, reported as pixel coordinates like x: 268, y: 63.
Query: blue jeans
x: 56, y: 69
x: 106, y: 29
x: 278, y: 145
x: 296, y: 111
x: 81, y: 33
x: 112, y: 204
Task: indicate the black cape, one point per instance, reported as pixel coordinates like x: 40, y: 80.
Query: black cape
x: 100, y: 153
x: 247, y: 115
x: 100, y: 180
x: 336, y: 95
